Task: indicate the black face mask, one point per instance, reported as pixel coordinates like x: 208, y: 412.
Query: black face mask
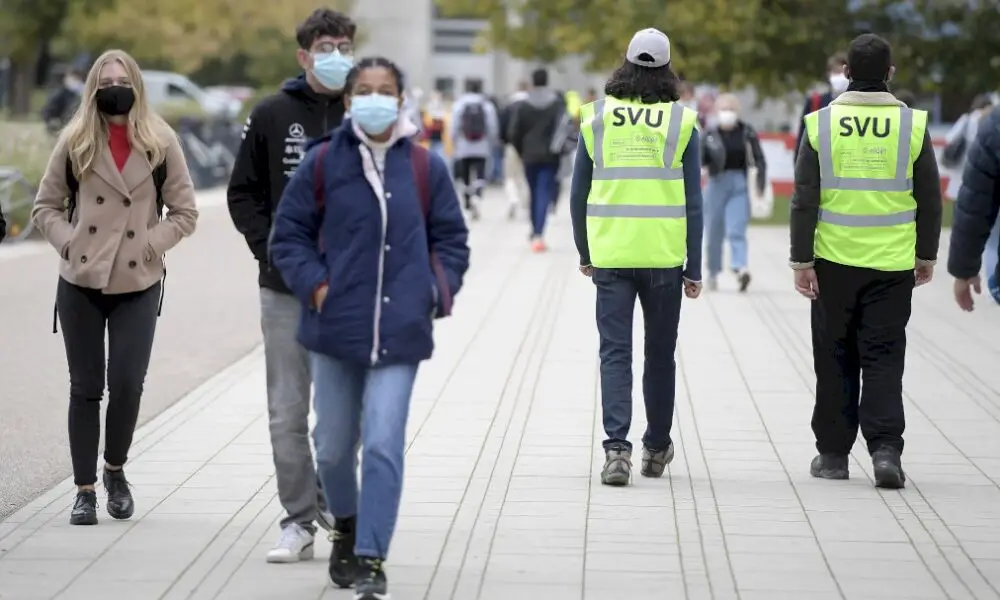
x: 115, y: 101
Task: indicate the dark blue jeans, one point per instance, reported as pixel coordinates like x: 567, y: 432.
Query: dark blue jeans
x: 542, y: 183
x: 659, y: 293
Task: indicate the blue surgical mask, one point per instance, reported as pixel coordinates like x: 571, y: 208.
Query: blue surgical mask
x: 331, y: 68
x: 374, y: 113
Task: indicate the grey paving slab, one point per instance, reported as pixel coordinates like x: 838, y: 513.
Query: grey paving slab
x: 502, y: 496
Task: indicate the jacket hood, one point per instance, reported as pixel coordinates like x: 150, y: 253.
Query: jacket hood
x: 541, y: 98
x: 300, y: 89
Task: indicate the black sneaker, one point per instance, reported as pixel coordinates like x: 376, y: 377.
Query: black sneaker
x: 617, y: 469
x: 654, y: 462
x: 829, y: 466
x: 84, y: 509
x: 371, y: 583
x: 120, y: 504
x: 743, y: 276
x: 343, y: 562
x: 888, y: 469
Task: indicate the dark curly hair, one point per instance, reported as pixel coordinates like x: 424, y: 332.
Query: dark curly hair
x: 324, y: 21
x: 370, y: 62
x: 646, y: 84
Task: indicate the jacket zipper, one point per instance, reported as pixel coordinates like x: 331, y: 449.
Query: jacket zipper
x: 381, y: 262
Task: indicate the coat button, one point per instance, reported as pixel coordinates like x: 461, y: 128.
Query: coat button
x: 130, y: 234
x: 100, y: 199
x: 385, y: 299
x: 127, y: 202
x: 131, y: 264
x: 388, y: 195
x: 83, y: 258
x: 92, y: 229
x: 384, y: 352
x: 388, y: 247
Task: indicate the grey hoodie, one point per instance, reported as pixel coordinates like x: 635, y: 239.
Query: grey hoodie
x: 533, y: 124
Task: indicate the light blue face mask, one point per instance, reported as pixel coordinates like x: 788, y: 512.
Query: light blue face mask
x: 331, y: 68
x: 374, y: 113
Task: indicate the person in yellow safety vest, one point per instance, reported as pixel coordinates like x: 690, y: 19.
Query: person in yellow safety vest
x: 636, y: 204
x: 865, y: 225
x: 573, y: 104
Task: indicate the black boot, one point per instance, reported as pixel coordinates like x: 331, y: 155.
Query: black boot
x: 343, y: 562
x: 830, y: 466
x: 120, y: 503
x: 888, y: 468
x: 84, y: 508
x: 371, y: 583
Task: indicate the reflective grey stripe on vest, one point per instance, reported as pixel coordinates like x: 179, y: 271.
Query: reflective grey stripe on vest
x: 828, y: 181
x: 604, y: 173
x: 900, y: 218
x: 637, y: 211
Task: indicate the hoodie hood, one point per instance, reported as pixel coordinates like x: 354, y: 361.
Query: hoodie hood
x: 300, y: 89
x: 541, y: 97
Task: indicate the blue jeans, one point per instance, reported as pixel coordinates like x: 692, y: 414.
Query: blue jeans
x: 727, y: 215
x: 659, y: 293
x: 542, y: 184
x: 496, y: 165
x: 367, y: 405
x: 990, y: 254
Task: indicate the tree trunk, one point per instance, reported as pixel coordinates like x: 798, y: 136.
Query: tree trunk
x: 22, y: 85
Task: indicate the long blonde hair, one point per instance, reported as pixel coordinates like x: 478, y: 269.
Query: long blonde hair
x: 87, y: 132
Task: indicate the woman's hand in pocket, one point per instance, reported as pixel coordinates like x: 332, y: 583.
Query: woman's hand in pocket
x: 319, y: 296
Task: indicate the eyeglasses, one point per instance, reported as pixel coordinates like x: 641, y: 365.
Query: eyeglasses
x: 344, y: 48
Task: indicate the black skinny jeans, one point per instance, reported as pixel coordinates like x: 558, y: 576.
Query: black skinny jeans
x: 130, y: 321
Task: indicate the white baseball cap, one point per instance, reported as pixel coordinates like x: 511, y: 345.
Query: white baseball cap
x: 649, y: 48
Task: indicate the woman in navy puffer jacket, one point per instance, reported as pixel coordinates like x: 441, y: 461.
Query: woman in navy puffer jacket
x: 370, y: 236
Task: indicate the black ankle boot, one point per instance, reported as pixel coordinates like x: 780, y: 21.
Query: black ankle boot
x: 343, y: 563
x: 888, y: 468
x: 84, y: 508
x: 830, y: 466
x: 120, y: 503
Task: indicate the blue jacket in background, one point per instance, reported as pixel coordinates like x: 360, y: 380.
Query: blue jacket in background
x: 383, y: 293
x: 978, y: 200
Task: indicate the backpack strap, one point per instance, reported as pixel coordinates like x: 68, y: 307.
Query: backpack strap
x: 420, y: 160
x: 816, y: 99
x: 318, y: 185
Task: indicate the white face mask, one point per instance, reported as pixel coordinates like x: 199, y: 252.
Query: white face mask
x: 727, y: 119
x: 838, y: 83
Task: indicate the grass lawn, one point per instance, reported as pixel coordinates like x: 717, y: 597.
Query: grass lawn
x: 780, y: 215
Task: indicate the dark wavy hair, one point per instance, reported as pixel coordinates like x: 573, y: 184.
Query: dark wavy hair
x: 648, y: 85
x: 370, y: 62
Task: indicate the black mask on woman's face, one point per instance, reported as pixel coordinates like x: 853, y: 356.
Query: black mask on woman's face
x: 115, y: 100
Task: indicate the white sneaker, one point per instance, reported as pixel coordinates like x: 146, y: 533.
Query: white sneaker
x: 713, y: 283
x: 295, y: 544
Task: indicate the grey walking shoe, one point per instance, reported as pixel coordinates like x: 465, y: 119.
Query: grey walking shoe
x: 617, y: 466
x: 654, y: 462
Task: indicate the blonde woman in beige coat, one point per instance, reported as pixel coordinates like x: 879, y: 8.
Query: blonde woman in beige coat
x: 120, y: 165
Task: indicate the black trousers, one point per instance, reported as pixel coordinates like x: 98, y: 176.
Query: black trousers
x: 130, y: 322
x: 859, y: 350
x: 472, y: 173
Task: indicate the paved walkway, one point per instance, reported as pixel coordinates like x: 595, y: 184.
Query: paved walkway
x: 502, y: 498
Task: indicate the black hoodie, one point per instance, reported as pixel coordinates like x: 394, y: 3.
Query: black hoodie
x: 274, y: 139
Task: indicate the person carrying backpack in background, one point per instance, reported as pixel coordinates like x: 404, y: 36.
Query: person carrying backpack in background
x: 815, y: 101
x: 475, y: 132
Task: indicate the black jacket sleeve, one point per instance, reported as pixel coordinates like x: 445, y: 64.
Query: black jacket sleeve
x: 802, y: 125
x: 758, y: 159
x: 978, y: 200
x: 927, y: 193
x: 249, y: 192
x: 3, y: 225
x: 805, y: 204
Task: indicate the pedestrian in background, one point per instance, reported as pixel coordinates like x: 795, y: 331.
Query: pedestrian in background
x: 959, y: 142
x: 532, y: 127
x: 370, y: 237
x: 635, y: 203
x: 116, y: 166
x: 975, y: 221
x: 475, y: 132
x: 515, y: 185
x: 274, y: 139
x: 865, y: 223
x: 730, y: 151
x: 838, y: 84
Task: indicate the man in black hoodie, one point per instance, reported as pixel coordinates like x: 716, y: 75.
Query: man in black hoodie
x: 532, y: 127
x: 274, y: 139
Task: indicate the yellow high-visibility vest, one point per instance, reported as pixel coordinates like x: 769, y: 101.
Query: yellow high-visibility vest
x: 867, y: 215
x: 636, y: 211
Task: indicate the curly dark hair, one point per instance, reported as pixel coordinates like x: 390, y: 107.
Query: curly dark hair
x: 324, y: 21
x: 371, y: 62
x: 648, y: 85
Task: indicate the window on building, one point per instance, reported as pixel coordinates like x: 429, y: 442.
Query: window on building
x: 445, y: 85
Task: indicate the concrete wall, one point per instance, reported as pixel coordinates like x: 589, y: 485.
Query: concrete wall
x: 400, y: 30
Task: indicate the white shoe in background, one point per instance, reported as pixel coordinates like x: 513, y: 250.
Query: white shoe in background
x: 295, y: 544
